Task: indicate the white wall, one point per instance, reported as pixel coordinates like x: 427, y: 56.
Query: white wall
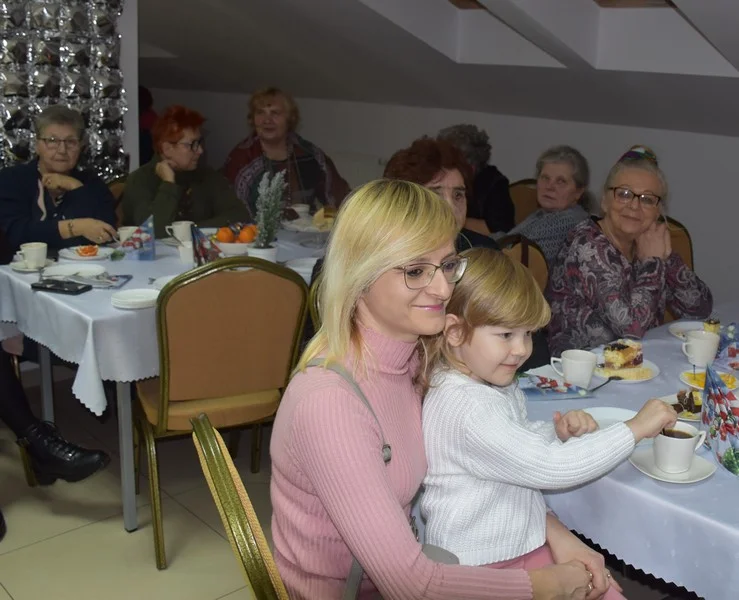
x: 701, y: 169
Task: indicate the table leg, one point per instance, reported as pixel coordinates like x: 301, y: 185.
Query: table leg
x: 47, y: 384
x: 125, y: 443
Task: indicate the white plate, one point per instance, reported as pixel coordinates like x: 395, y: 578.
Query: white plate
x: 680, y: 328
x: 160, y: 282
x: 672, y: 399
x: 135, y: 299
x: 684, y: 379
x: 70, y: 270
x: 303, y: 226
x: 606, y: 416
x: 643, y: 459
x: 647, y: 363
x: 70, y: 254
x: 547, y: 370
x: 20, y: 266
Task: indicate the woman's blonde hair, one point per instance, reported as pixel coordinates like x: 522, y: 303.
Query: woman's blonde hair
x: 495, y: 290
x: 381, y: 225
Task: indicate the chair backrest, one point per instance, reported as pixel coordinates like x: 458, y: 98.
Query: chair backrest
x: 683, y: 245
x: 526, y: 252
x: 227, y: 328
x: 237, y: 513
x: 523, y: 195
x: 315, y: 315
x: 116, y: 187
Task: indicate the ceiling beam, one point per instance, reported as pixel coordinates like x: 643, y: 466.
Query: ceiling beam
x: 717, y: 21
x: 567, y: 30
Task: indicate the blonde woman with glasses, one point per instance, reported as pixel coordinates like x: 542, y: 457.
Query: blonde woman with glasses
x: 617, y: 275
x: 49, y: 199
x: 347, y: 447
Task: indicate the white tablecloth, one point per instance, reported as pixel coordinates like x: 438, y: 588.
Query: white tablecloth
x: 686, y: 534
x: 106, y: 343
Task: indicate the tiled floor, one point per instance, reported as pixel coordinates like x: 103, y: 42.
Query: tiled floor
x: 67, y: 542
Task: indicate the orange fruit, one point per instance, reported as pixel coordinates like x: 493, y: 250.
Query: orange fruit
x: 91, y: 250
x: 225, y: 235
x: 248, y: 234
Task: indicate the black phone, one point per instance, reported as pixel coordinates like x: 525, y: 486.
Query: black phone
x: 59, y: 286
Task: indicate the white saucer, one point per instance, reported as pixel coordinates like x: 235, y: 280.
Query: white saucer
x: 160, y: 282
x: 67, y: 270
x: 643, y: 459
x: 135, y: 299
x: 70, y: 254
x: 170, y: 241
x: 21, y: 267
x: 680, y: 328
x: 646, y: 364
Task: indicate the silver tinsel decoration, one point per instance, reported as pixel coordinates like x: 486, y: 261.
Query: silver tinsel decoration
x: 62, y: 52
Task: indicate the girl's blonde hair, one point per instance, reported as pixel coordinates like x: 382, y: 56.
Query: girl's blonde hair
x: 495, y: 290
x: 381, y: 225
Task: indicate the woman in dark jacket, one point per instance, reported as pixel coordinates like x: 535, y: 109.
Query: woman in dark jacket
x: 49, y: 199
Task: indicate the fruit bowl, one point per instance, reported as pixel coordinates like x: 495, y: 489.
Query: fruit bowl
x: 233, y: 249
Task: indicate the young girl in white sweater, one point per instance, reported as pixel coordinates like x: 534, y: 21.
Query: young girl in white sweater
x: 486, y: 461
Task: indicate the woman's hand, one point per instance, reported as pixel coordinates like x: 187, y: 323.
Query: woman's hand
x: 565, y: 547
x: 94, y: 230
x: 654, y: 242
x: 165, y: 171
x: 653, y: 417
x: 567, y: 581
x: 60, y: 183
x: 573, y: 423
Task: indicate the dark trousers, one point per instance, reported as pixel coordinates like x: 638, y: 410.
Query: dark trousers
x: 14, y: 409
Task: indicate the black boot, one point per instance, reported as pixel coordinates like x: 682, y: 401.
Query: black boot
x: 52, y: 457
x: 3, y: 528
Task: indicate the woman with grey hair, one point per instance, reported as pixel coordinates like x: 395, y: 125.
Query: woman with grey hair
x: 562, y: 178
x: 49, y: 199
x: 489, y: 200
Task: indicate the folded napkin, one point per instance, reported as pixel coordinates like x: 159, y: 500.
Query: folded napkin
x: 141, y: 246
x: 720, y: 415
x: 543, y: 383
x: 203, y: 249
x: 727, y: 356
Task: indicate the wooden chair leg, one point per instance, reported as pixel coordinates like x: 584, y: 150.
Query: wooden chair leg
x: 137, y: 457
x: 156, y: 499
x: 256, y: 448
x: 27, y: 468
x: 234, y: 437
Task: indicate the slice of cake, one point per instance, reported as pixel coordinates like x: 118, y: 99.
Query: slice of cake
x: 712, y: 325
x: 623, y: 354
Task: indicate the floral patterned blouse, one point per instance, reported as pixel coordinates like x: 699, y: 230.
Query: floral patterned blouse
x: 597, y: 295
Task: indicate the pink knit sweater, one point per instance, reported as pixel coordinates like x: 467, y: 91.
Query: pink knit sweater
x: 332, y: 495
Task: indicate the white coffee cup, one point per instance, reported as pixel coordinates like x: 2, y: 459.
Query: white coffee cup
x: 34, y: 254
x: 700, y: 347
x: 303, y: 210
x: 577, y: 367
x: 675, y: 455
x: 186, y: 255
x: 125, y: 232
x: 180, y: 230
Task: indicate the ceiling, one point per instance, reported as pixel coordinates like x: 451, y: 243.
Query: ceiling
x: 651, y: 67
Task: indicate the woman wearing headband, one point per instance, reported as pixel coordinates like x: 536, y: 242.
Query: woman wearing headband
x: 617, y: 276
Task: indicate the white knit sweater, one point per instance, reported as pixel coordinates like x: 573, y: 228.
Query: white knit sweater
x: 487, y: 464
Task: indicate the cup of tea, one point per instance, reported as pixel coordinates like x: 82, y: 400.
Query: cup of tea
x: 700, y: 347
x: 180, y: 230
x: 675, y: 447
x: 34, y: 254
x: 125, y: 232
x: 577, y: 367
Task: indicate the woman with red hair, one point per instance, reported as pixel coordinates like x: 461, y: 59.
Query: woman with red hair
x: 172, y: 186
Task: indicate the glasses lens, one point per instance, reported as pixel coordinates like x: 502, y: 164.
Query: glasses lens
x: 648, y: 200
x: 418, y: 276
x: 623, y: 194
x: 196, y: 144
x: 72, y: 143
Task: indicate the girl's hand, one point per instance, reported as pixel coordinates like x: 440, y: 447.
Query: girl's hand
x: 653, y: 417
x: 573, y: 424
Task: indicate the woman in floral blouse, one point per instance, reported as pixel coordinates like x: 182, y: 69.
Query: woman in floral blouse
x: 616, y: 276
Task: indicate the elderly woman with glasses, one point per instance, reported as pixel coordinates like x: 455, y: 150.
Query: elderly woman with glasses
x: 616, y: 276
x: 49, y: 199
x: 562, y: 178
x: 173, y: 186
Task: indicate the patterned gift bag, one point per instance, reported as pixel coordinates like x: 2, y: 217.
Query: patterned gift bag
x: 141, y: 246
x: 720, y: 415
x: 727, y: 356
x: 204, y: 250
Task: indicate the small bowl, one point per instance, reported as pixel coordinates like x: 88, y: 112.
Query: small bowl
x: 233, y: 249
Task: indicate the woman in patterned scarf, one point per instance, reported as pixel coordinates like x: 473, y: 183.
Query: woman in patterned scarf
x: 617, y: 275
x: 273, y: 146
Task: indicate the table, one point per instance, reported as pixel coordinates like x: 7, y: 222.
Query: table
x: 684, y: 534
x: 106, y: 343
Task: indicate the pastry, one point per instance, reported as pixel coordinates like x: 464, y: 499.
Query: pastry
x: 623, y: 354
x: 289, y: 214
x: 324, y: 218
x: 712, y: 325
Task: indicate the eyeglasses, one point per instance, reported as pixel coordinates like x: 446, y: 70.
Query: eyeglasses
x: 54, y: 143
x: 625, y: 195
x: 194, y: 145
x: 420, y: 275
